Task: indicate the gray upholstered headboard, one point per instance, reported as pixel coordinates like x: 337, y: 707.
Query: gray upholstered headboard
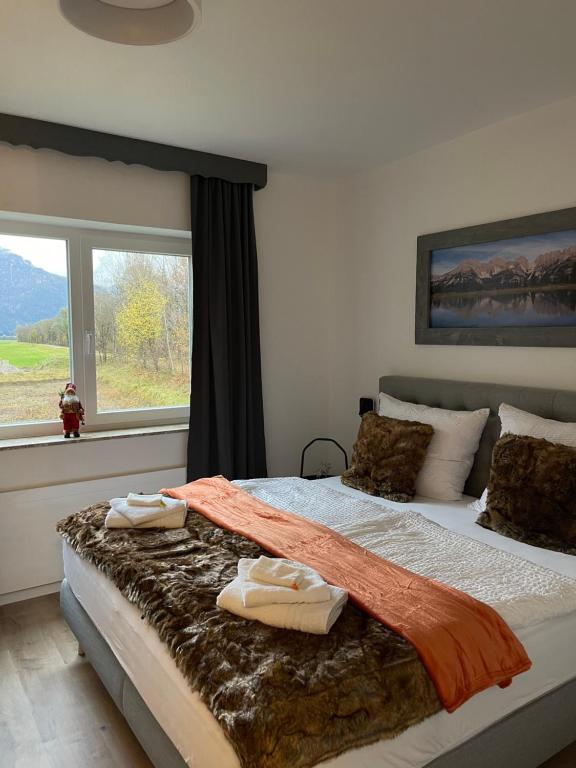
x: 468, y: 396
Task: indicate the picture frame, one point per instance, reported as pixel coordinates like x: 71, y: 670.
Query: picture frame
x: 510, y: 282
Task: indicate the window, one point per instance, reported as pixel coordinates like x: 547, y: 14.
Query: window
x: 34, y: 325
x: 142, y: 330
x: 109, y: 310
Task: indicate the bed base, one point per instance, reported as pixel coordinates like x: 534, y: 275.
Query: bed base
x: 524, y: 739
x: 158, y: 747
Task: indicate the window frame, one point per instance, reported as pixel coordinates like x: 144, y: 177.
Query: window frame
x: 82, y: 238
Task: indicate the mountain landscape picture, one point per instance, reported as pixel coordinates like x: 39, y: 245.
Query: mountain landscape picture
x: 518, y: 282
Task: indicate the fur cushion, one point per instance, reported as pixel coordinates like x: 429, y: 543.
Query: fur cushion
x: 387, y: 456
x: 532, y: 493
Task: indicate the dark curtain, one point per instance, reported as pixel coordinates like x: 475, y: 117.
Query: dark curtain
x: 226, y: 417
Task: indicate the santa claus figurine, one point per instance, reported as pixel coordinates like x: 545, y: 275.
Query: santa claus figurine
x: 71, y: 411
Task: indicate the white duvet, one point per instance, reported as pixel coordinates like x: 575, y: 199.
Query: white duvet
x: 522, y: 592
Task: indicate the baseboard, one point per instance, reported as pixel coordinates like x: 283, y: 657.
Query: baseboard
x: 28, y: 594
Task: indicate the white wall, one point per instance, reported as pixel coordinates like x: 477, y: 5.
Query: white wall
x: 49, y: 183
x: 58, y: 463
x: 520, y: 166
x: 297, y: 229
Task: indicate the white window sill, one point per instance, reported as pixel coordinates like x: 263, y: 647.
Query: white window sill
x: 89, y: 437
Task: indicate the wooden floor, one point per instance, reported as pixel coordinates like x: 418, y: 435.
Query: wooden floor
x: 55, y: 712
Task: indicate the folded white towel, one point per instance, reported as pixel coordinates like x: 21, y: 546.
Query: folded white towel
x: 145, y: 500
x: 171, y: 520
x: 277, y: 570
x: 312, y: 589
x: 137, y: 515
x: 123, y: 515
x: 316, y: 618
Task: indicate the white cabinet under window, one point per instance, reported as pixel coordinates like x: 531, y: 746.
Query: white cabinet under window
x: 107, y: 308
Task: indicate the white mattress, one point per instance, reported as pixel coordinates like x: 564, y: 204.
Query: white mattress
x: 201, y: 742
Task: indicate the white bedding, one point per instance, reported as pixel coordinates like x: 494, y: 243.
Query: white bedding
x: 522, y: 592
x: 549, y: 643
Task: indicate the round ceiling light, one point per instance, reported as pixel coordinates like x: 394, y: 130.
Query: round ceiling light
x: 133, y: 22
x: 139, y: 5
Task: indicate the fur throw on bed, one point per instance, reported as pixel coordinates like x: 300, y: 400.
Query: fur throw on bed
x: 532, y: 493
x: 284, y: 699
x: 387, y: 456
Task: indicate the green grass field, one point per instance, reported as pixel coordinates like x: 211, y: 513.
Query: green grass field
x: 31, y: 392
x: 32, y: 355
x: 123, y: 386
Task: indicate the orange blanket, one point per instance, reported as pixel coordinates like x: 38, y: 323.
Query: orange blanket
x: 464, y: 644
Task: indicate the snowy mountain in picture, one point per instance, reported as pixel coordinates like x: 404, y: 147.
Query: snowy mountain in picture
x: 524, y: 281
x: 554, y: 268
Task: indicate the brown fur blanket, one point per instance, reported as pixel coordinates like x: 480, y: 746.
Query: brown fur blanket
x: 284, y: 699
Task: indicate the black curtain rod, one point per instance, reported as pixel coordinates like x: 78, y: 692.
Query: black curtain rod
x: 81, y: 142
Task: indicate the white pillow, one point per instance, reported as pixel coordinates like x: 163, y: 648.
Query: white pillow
x: 452, y: 449
x: 517, y: 422
x: 479, y: 505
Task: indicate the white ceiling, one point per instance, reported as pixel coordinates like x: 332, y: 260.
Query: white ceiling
x: 306, y: 85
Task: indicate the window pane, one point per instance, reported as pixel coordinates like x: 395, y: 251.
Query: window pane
x: 142, y: 325
x: 34, y: 328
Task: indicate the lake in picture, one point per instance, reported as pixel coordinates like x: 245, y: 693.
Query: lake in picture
x: 520, y: 282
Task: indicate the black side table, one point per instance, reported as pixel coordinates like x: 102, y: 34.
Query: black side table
x: 323, y: 440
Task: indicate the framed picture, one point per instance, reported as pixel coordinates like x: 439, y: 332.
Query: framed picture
x: 509, y: 282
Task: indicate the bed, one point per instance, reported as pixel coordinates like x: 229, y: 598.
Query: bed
x: 519, y: 727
